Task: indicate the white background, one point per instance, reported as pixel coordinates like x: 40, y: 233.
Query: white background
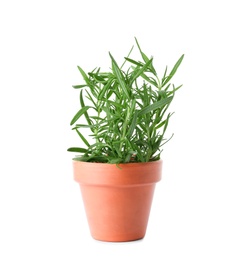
x: 41, y: 211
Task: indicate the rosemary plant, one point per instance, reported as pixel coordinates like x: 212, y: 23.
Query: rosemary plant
x: 125, y: 111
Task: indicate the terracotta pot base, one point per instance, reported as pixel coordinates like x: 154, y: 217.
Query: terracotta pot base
x: 117, y: 202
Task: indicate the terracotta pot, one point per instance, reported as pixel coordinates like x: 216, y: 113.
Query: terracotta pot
x: 117, y: 200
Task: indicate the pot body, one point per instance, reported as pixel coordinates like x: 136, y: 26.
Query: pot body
x: 117, y: 199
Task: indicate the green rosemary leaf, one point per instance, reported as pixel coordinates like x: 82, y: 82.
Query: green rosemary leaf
x: 155, y: 106
x: 96, y: 77
x: 133, y: 124
x: 119, y: 76
x: 86, y: 79
x: 82, y: 138
x: 83, y: 105
x: 145, y: 58
x: 105, y: 88
x: 79, y: 114
x: 77, y: 150
x: 172, y: 73
x: 127, y: 56
x: 140, y: 71
x: 148, y: 79
x: 79, y: 86
x: 134, y: 62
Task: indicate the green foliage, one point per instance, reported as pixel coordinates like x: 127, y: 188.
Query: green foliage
x: 125, y: 111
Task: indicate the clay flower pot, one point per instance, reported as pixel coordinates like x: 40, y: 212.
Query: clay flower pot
x: 117, y: 200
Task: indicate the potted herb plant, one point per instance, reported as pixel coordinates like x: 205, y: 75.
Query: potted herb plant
x: 124, y: 112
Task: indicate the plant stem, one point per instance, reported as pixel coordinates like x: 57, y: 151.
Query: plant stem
x: 124, y: 132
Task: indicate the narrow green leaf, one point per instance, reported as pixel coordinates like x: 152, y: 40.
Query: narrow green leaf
x: 164, y: 76
x: 86, y: 79
x: 157, y: 143
x: 98, y: 70
x: 96, y: 118
x: 105, y: 88
x: 109, y: 94
x: 83, y: 126
x: 77, y: 150
x: 172, y: 73
x: 132, y: 106
x: 91, y: 99
x: 100, y: 145
x: 167, y: 87
x: 160, y: 138
x: 174, y: 90
x: 161, y: 124
x: 127, y: 56
x: 140, y: 71
x: 119, y: 76
x: 82, y: 137
x: 145, y: 58
x: 83, y: 105
x: 155, y: 105
x: 81, y: 158
x: 134, y: 62
x: 133, y: 124
x: 166, y: 123
x: 106, y: 74
x: 79, y: 114
x: 97, y: 77
x: 145, y: 95
x: 166, y: 140
x: 164, y: 110
x: 154, y: 83
x: 79, y: 86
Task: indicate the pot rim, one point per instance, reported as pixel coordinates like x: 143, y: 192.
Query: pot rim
x: 129, y: 163
x: 104, y: 174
